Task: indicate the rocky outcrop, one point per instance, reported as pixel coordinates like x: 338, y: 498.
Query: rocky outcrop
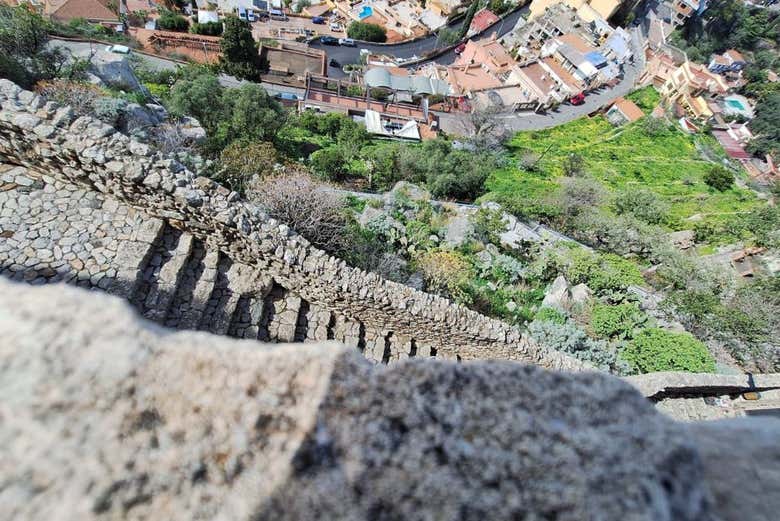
x: 114, y: 70
x: 106, y: 416
x: 163, y: 259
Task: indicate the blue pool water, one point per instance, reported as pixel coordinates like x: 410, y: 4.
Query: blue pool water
x: 735, y: 103
x: 365, y: 12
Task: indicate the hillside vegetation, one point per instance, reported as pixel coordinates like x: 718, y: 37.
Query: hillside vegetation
x: 647, y: 155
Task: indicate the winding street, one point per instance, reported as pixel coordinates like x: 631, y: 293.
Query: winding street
x: 417, y: 48
x: 458, y: 123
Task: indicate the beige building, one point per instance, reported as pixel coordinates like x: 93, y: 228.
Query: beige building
x: 589, y: 10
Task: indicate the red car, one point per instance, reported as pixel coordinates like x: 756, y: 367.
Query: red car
x: 577, y: 99
x: 460, y: 48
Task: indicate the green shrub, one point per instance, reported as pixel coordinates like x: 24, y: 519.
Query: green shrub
x: 329, y: 163
x: 615, y: 274
x: 719, y: 178
x: 603, y: 273
x: 170, y: 21
x: 619, y: 321
x: 547, y: 314
x: 488, y: 225
x: 571, y: 339
x: 367, y: 32
x: 655, y: 349
x: 241, y: 162
x: 642, y: 204
x: 208, y: 28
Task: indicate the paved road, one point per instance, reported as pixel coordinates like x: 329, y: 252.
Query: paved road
x: 84, y: 49
x: 347, y: 55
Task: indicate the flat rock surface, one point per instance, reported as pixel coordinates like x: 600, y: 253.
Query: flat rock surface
x: 106, y: 416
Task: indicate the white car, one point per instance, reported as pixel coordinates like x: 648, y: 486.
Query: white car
x: 336, y: 27
x: 119, y: 49
x: 347, y: 42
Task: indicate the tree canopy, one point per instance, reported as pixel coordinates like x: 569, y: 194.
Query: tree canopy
x: 239, y: 49
x: 366, y: 31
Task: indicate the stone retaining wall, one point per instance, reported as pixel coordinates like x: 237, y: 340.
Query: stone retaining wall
x: 50, y: 140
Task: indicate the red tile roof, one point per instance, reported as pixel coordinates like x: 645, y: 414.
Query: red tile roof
x: 92, y: 10
x: 730, y: 145
x: 482, y: 20
x: 629, y: 109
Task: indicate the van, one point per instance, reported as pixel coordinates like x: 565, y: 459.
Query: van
x: 318, y: 20
x: 347, y: 42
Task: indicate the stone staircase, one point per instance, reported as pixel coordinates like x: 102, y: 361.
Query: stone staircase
x: 89, y: 206
x: 170, y: 276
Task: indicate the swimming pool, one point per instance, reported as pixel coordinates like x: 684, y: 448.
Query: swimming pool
x: 365, y: 12
x: 735, y: 103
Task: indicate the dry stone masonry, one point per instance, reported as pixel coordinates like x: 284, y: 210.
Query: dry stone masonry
x: 84, y: 204
x: 104, y: 416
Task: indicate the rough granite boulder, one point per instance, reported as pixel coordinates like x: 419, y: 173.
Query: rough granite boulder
x: 106, y: 416
x: 114, y: 70
x: 558, y: 295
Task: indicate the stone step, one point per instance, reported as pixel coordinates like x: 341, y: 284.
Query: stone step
x: 218, y: 296
x: 251, y: 289
x: 352, y: 333
x: 195, y: 292
x: 133, y: 257
x: 161, y: 293
x: 374, y: 345
x: 317, y: 320
x: 161, y: 252
x: 283, y: 319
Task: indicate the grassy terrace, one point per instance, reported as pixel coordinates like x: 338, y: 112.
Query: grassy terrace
x: 664, y: 160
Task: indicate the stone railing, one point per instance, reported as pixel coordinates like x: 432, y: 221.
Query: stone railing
x: 47, y: 138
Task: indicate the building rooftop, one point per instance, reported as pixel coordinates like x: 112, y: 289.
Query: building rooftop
x: 565, y: 77
x: 488, y: 53
x: 483, y: 19
x: 628, y: 108
x: 466, y: 78
x: 417, y: 85
x: 577, y: 42
x: 93, y: 10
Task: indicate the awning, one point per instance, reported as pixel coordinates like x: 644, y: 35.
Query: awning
x: 380, y: 77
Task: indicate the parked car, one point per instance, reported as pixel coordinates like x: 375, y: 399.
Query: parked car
x: 250, y: 15
x: 287, y: 96
x: 242, y: 13
x: 277, y: 14
x: 336, y: 27
x: 577, y: 99
x: 347, y: 42
x: 460, y: 48
x: 318, y: 20
x: 334, y: 63
x: 118, y: 49
x: 329, y: 40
